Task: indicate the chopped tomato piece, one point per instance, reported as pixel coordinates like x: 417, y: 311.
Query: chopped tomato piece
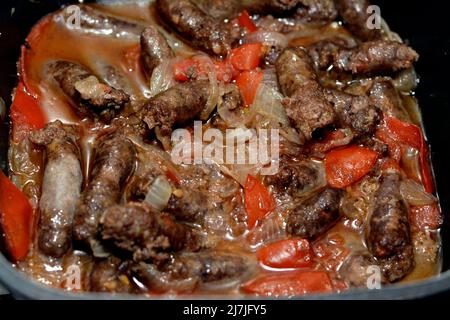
x: 426, y: 217
x: 258, y: 201
x: 246, y: 22
x: 290, y: 284
x: 403, y: 132
x: 248, y: 83
x: 390, y: 164
x: 192, y: 68
x: 395, y: 133
x: 338, y: 138
x: 292, y: 253
x: 246, y: 57
x: 26, y: 114
x: 15, y: 218
x: 346, y: 166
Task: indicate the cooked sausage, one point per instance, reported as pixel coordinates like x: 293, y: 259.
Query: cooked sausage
x: 355, y: 15
x: 358, y: 268
x: 316, y: 215
x: 211, y: 266
x: 154, y: 48
x: 146, y: 234
x: 293, y: 178
x: 316, y: 11
x: 187, y: 205
x: 306, y: 106
x: 113, y: 163
x: 110, y: 275
x: 375, y: 57
x: 385, y: 96
x: 61, y: 187
x: 324, y: 52
x: 96, y: 22
x: 176, y: 106
x: 269, y: 6
x: 388, y: 237
x: 355, y: 112
x: 200, y: 29
x: 90, y: 95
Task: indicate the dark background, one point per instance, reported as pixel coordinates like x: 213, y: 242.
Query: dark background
x: 424, y: 24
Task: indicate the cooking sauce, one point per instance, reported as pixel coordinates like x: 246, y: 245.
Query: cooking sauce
x: 57, y: 42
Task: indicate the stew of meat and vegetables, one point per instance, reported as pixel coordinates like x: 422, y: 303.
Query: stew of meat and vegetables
x: 96, y: 201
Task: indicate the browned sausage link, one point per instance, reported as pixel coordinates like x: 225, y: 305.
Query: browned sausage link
x: 176, y: 106
x: 110, y: 275
x: 355, y: 112
x: 307, y: 106
x: 375, y: 57
x: 188, y: 205
x: 200, y: 29
x: 293, y: 178
x: 269, y: 6
x: 220, y: 9
x: 354, y: 13
x: 316, y: 11
x: 316, y: 215
x: 389, y: 238
x: 89, y: 93
x: 385, y: 96
x: 99, y: 23
x: 211, y: 266
x: 61, y: 187
x: 113, y: 163
x: 358, y: 269
x: 138, y: 229
x: 154, y: 48
x: 324, y: 52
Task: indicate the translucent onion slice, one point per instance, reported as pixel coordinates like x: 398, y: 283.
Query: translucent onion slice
x: 159, y: 193
x: 414, y: 193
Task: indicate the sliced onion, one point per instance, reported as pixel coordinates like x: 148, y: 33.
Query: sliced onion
x: 411, y: 163
x: 162, y: 78
x: 272, y: 229
x: 290, y: 134
x: 270, y: 38
x: 406, y: 80
x: 98, y: 250
x: 268, y: 104
x: 159, y: 193
x: 214, y: 92
x: 415, y: 195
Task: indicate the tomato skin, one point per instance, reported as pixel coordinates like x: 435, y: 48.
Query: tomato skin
x: 289, y: 284
x: 396, y: 133
x: 258, y: 201
x: 26, y: 114
x: 348, y: 165
x: 246, y: 57
x: 403, y: 132
x: 427, y: 217
x: 192, y: 68
x: 15, y: 218
x: 246, y: 22
x: 291, y: 253
x: 248, y: 83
